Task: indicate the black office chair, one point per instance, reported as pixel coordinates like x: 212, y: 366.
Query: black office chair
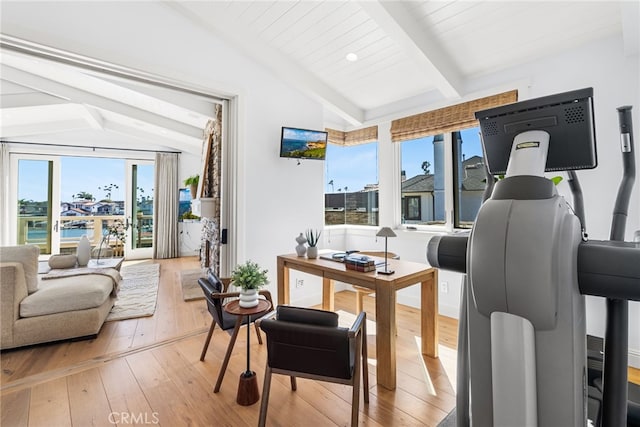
x: 308, y: 343
x: 215, y: 292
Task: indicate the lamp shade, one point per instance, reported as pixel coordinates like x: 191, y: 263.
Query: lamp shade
x: 386, y: 232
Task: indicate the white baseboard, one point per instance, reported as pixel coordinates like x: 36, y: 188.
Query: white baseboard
x: 634, y: 358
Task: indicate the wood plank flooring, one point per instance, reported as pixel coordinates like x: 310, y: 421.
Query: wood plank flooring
x: 147, y: 371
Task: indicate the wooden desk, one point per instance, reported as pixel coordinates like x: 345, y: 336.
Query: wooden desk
x: 406, y: 274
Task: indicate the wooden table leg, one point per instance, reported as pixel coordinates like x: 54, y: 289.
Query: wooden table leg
x: 328, y: 294
x: 227, y: 356
x: 385, y: 336
x: 283, y: 283
x: 429, y: 315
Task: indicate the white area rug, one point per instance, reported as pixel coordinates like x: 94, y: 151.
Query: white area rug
x: 138, y: 292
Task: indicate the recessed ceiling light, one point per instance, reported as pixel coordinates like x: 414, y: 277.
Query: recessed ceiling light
x: 352, y: 57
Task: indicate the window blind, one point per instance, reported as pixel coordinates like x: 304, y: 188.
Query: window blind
x: 354, y: 137
x: 447, y: 119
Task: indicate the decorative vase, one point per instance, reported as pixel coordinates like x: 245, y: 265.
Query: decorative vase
x: 248, y: 298
x: 312, y: 252
x: 83, y: 251
x: 301, y: 249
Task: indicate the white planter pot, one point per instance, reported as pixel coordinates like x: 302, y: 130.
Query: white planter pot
x: 312, y: 252
x: 248, y: 298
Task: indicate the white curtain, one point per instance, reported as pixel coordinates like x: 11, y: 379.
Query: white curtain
x: 4, y: 195
x: 165, y: 206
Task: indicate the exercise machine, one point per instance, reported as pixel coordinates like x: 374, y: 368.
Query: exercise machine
x: 522, y: 353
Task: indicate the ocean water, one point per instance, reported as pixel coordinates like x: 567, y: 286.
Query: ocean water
x: 289, y: 145
x: 34, y: 235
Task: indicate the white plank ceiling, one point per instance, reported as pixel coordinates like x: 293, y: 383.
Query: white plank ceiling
x: 405, y: 49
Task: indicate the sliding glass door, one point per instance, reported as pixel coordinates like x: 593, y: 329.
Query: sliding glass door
x: 61, y: 198
x: 36, y: 204
x: 140, y: 178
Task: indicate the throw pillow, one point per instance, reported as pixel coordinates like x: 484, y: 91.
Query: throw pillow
x: 28, y: 256
x: 63, y: 261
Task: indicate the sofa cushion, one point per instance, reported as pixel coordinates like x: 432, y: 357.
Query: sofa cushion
x: 63, y: 261
x: 28, y: 256
x: 67, y: 294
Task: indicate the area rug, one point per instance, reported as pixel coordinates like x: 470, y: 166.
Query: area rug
x: 138, y: 292
x: 189, y: 282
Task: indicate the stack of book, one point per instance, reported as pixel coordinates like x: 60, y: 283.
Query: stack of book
x: 359, y: 263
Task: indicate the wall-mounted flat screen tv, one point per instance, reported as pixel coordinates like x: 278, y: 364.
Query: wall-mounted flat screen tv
x: 303, y: 143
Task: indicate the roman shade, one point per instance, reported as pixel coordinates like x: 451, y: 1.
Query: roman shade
x: 447, y: 119
x: 354, y: 137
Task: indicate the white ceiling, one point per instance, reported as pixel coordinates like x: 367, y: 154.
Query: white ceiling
x: 405, y: 49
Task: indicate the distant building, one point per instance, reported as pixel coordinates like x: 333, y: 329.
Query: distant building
x: 418, y: 205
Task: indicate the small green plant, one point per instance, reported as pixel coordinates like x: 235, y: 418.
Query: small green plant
x: 189, y: 215
x: 249, y: 276
x: 192, y: 180
x: 313, y: 237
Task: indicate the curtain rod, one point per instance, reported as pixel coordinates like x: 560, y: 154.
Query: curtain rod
x: 94, y: 148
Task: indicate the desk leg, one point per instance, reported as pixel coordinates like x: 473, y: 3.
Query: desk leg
x: 429, y: 315
x: 283, y: 283
x: 328, y: 294
x: 386, y: 336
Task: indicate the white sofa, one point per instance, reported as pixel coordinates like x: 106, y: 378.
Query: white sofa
x: 35, y: 311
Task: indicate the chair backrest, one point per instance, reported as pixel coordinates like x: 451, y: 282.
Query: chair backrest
x: 309, y: 341
x: 213, y: 285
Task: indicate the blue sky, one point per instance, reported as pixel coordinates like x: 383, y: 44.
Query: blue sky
x: 354, y: 167
x: 79, y: 174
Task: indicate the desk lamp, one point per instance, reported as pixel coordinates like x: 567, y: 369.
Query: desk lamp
x: 386, y: 232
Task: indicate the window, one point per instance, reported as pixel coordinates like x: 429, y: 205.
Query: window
x: 424, y: 183
x: 411, y: 208
x: 423, y: 180
x: 469, y: 176
x: 351, y: 190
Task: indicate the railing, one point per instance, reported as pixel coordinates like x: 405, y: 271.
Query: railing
x: 35, y: 229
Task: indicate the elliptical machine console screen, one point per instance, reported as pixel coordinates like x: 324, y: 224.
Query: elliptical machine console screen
x: 566, y: 117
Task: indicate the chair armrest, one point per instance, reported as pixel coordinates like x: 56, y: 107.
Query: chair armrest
x: 267, y: 295
x: 358, y: 325
x: 223, y: 295
x: 267, y: 316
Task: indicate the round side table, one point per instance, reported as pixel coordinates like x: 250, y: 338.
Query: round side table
x: 248, y: 393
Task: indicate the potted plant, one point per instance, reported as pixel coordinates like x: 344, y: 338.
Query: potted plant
x: 312, y: 240
x: 192, y: 182
x: 249, y: 277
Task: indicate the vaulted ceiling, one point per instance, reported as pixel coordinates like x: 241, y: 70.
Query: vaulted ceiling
x: 409, y: 53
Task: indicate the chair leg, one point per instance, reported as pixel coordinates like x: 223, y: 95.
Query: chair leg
x: 208, y: 340
x: 365, y: 361
x: 266, y: 388
x: 227, y: 356
x: 258, y: 333
x: 355, y: 385
x: 294, y: 383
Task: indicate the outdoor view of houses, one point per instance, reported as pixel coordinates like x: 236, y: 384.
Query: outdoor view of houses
x: 351, y: 194
x: 92, y: 202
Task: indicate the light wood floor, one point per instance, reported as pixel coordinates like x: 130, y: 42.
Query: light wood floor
x: 147, y: 371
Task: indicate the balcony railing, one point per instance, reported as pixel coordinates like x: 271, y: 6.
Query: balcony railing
x: 35, y: 229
